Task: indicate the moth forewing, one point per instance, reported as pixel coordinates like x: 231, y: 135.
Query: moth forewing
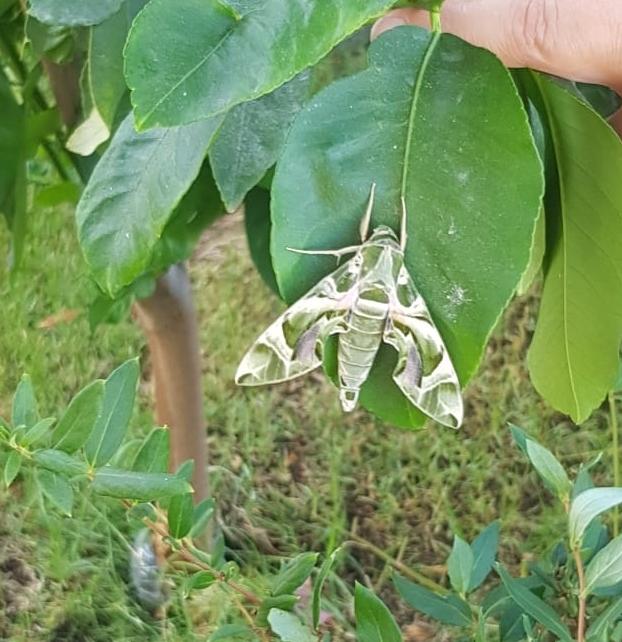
x: 424, y: 371
x: 292, y: 345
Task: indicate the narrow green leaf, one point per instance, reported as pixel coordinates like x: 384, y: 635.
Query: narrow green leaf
x: 318, y: 585
x: 117, y: 405
x: 258, y: 227
x: 289, y: 628
x: 198, y: 581
x: 154, y: 454
x: 180, y: 515
x: 549, y: 468
x: 57, y: 490
x: 11, y: 467
x: 447, y: 610
x: 573, y: 359
x: 534, y: 606
x: 605, y: 568
x: 210, y: 58
x: 73, y: 13
x: 484, y: 549
x: 76, y: 425
x: 588, y: 505
x: 384, y: 126
x: 141, y: 486
x: 374, y: 622
x: 59, y: 461
x: 251, y: 137
x: 599, y: 627
x: 132, y: 194
x: 293, y: 575
x: 38, y: 432
x: 201, y: 517
x: 25, y: 412
x: 281, y: 602
x: 460, y: 565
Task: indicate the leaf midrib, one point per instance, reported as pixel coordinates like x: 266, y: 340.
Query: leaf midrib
x: 413, y: 108
x: 564, y: 245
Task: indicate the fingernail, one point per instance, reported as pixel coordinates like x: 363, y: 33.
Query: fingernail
x: 384, y: 24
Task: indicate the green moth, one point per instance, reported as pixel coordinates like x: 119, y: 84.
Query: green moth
x: 368, y: 300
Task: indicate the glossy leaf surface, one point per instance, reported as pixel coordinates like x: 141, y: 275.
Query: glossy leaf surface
x: 470, y: 176
x: 190, y: 59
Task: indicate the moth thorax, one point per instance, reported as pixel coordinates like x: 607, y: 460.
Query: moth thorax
x: 349, y: 399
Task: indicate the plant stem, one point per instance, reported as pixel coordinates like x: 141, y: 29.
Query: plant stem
x: 414, y: 575
x: 576, y: 553
x: 615, y: 455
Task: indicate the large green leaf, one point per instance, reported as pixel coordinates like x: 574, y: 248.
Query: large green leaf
x: 289, y: 628
x: 460, y: 565
x: 199, y: 207
x: 189, y: 59
x: 251, y: 137
x: 117, y: 406
x: 258, y: 226
x: 587, y: 506
x: 470, y: 176
x: 573, y: 359
x: 103, y: 82
x: 132, y: 194
x: 73, y: 13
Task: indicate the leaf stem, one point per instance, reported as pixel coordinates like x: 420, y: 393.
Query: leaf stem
x: 615, y: 455
x: 435, y: 20
x: 576, y: 553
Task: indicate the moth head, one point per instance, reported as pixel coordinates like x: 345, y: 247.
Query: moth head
x: 384, y: 235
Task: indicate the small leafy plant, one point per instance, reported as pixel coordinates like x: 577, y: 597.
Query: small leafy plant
x: 574, y: 593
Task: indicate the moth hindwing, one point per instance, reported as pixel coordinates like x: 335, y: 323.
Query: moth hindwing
x: 368, y: 300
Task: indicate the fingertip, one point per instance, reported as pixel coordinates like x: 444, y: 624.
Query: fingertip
x: 398, y: 18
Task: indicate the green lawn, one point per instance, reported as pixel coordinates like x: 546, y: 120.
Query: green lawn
x: 290, y: 471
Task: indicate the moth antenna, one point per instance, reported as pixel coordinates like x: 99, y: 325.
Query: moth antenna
x: 403, y: 230
x: 351, y: 249
x: 364, y: 227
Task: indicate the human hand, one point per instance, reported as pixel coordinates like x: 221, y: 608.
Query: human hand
x: 573, y: 39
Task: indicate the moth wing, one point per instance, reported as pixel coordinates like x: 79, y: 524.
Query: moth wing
x: 424, y: 371
x: 292, y: 345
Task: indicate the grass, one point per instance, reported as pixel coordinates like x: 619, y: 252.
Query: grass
x: 291, y: 472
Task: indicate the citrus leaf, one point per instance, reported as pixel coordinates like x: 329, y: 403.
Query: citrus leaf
x: 251, y: 137
x: 573, y: 358
x: 588, y: 505
x: 73, y: 13
x: 131, y: 195
x: 190, y: 59
x: 422, y: 130
x: 180, y: 515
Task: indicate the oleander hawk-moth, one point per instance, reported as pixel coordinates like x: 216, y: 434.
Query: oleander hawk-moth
x: 368, y: 300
